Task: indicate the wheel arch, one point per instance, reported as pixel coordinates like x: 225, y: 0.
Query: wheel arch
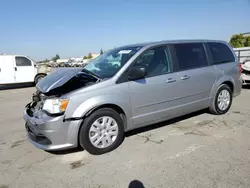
x: 230, y: 84
x: 39, y: 74
x: 224, y: 80
x: 112, y: 106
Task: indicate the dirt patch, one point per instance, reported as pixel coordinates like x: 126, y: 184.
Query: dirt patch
x: 17, y: 143
x: 183, y: 128
x: 236, y: 112
x: 6, y: 162
x: 196, y: 132
x: 213, y: 123
x: 225, y: 123
x: 148, y: 139
x: 2, y: 141
x: 204, y: 128
x: 156, y: 142
x: 78, y: 164
x: 4, y: 186
x: 205, y: 123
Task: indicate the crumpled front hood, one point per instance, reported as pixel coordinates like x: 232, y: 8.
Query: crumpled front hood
x: 56, y: 79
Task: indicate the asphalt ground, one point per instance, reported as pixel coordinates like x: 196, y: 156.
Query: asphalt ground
x: 197, y: 150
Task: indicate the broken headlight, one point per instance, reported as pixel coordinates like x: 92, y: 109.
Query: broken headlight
x: 55, y: 105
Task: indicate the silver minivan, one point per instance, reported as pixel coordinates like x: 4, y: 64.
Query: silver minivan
x: 130, y: 87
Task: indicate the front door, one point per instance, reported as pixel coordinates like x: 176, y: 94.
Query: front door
x: 24, y: 69
x: 7, y: 74
x: 153, y: 96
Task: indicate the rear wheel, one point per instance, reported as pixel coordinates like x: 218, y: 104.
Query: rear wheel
x: 102, y: 131
x: 222, y: 100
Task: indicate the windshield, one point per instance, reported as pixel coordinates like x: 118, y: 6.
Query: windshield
x: 110, y: 62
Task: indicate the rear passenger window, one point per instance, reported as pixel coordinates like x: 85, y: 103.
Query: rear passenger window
x: 22, y: 61
x: 190, y: 55
x: 220, y: 53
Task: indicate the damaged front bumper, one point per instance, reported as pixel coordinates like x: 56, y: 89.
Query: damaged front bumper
x: 245, y: 74
x: 245, y: 79
x: 50, y: 133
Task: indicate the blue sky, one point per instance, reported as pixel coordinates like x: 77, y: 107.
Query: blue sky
x: 41, y: 29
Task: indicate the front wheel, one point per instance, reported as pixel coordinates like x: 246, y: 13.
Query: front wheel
x: 39, y: 77
x: 102, y: 131
x: 222, y: 100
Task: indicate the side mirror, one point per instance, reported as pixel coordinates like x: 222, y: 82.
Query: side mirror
x: 137, y: 73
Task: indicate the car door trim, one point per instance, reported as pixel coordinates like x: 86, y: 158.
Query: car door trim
x: 165, y: 101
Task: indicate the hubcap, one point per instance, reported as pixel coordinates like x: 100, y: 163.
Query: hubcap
x: 103, y: 132
x: 223, y: 100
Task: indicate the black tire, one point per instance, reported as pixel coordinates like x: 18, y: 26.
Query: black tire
x: 39, y: 77
x: 214, y: 109
x: 84, y: 131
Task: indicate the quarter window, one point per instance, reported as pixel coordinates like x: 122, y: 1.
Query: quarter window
x: 220, y: 53
x: 190, y: 55
x: 155, y: 60
x: 22, y: 61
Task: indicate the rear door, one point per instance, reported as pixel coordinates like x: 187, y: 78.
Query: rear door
x: 196, y: 77
x: 24, y: 69
x: 223, y: 59
x: 7, y: 75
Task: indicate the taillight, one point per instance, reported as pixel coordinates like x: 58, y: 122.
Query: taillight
x: 240, y: 68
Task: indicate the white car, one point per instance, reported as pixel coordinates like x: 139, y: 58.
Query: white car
x: 18, y: 69
x: 246, y: 72
x: 77, y: 64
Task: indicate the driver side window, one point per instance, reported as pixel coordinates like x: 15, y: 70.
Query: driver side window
x: 156, y: 61
x: 22, y: 61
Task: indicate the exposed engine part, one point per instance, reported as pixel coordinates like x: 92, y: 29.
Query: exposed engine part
x: 75, y: 81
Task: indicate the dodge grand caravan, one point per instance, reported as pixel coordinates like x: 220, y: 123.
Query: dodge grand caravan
x: 131, y: 87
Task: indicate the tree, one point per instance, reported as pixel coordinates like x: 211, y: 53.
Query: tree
x: 55, y: 58
x: 101, y: 52
x: 247, y: 42
x: 46, y: 60
x: 237, y: 41
x: 85, y: 57
x: 90, y: 56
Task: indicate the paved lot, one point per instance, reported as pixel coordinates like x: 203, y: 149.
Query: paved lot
x: 196, y: 151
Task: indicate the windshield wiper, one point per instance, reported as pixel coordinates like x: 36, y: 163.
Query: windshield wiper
x: 92, y: 74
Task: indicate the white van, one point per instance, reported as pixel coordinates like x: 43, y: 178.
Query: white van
x: 18, y: 69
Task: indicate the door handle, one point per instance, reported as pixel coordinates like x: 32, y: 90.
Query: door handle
x: 15, y: 69
x: 185, y: 77
x: 171, y: 80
